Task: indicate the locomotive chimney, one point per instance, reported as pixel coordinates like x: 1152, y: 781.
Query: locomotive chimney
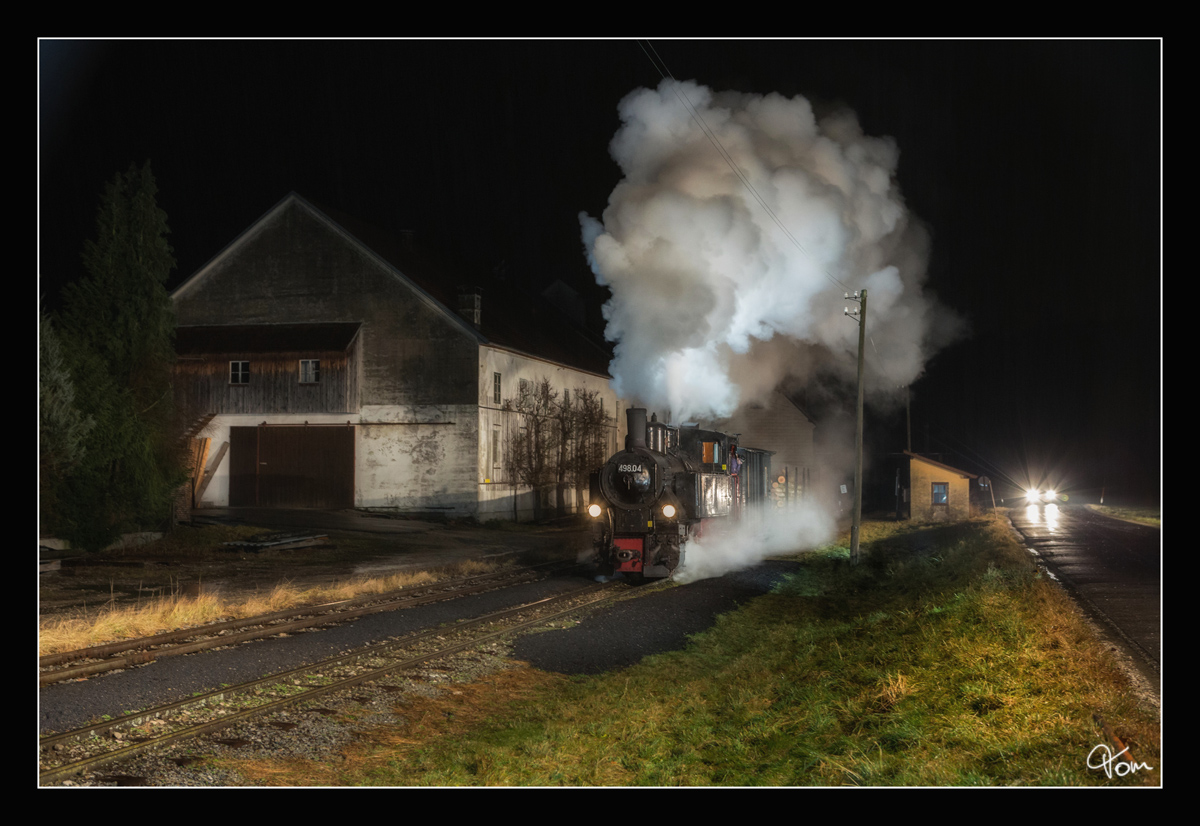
x: 635, y: 418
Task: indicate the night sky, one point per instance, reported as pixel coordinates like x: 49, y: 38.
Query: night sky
x: 1035, y: 165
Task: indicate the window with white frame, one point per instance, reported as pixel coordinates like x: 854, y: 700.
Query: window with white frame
x: 239, y: 372
x: 310, y: 371
x: 941, y: 493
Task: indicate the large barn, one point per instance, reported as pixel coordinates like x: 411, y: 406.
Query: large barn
x: 339, y: 368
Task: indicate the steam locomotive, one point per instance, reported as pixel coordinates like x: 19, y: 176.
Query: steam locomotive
x: 667, y: 485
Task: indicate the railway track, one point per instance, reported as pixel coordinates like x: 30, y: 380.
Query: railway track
x: 87, y: 662
x: 68, y: 754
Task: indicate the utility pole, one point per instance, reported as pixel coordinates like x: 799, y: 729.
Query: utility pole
x: 908, y: 438
x: 859, y: 315
x: 908, y: 414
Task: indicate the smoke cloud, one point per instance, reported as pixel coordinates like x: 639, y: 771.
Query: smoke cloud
x: 731, y: 545
x: 714, y: 303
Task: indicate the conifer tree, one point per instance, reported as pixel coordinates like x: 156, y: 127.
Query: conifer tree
x: 121, y: 311
x: 62, y: 428
x: 118, y: 326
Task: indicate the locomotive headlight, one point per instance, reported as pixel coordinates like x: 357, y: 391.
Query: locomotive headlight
x: 594, y: 510
x: 668, y: 511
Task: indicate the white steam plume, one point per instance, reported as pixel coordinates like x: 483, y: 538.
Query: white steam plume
x: 702, y: 277
x: 730, y: 545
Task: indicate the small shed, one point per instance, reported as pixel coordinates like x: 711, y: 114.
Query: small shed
x: 940, y: 493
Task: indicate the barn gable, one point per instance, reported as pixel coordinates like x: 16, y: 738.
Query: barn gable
x: 297, y: 266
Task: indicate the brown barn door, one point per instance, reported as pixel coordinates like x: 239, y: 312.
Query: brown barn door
x: 292, y: 467
x: 243, y: 466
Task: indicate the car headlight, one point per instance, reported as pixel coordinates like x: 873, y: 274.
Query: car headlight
x: 1032, y: 495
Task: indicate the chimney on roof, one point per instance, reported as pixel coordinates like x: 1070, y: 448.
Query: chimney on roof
x: 470, y: 303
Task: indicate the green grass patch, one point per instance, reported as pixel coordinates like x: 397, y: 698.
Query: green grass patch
x: 945, y: 659
x: 1143, y: 515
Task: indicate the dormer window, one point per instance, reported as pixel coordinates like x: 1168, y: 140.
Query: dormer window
x: 239, y: 372
x: 310, y: 371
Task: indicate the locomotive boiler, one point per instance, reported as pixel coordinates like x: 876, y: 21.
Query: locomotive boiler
x: 668, y: 484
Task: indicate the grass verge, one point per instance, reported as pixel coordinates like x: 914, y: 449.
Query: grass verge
x: 112, y: 622
x: 945, y: 659
x: 1143, y: 515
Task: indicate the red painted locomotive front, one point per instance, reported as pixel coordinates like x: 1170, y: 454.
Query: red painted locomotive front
x: 630, y: 554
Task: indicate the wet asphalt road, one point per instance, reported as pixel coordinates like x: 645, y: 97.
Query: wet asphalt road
x: 1113, y: 568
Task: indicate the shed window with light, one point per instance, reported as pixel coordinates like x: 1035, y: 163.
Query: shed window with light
x: 941, y: 493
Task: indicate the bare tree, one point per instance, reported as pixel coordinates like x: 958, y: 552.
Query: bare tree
x: 533, y: 440
x: 590, y: 426
x: 554, y: 441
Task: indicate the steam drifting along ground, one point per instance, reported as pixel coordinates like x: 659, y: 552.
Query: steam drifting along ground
x: 726, y: 281
x: 763, y: 531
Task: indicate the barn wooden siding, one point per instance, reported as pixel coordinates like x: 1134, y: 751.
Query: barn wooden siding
x: 274, y: 387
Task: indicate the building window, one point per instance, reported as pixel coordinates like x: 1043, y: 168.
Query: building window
x: 239, y: 372
x: 941, y: 493
x: 310, y: 371
x: 495, y: 388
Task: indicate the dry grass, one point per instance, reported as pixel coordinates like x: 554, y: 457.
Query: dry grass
x: 1142, y: 515
x: 114, y: 623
